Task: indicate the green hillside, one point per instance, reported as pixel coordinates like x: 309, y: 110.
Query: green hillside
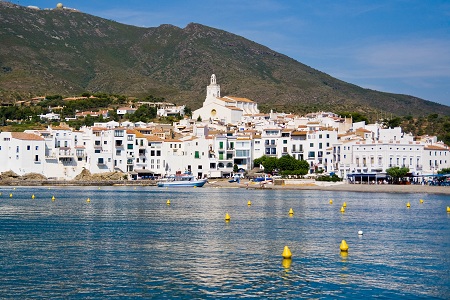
x: 68, y: 53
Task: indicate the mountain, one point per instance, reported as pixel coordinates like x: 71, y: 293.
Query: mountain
x: 67, y: 52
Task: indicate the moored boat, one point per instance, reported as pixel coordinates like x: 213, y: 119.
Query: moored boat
x: 182, y: 180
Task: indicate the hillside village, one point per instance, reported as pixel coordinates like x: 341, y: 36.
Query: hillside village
x: 225, y: 134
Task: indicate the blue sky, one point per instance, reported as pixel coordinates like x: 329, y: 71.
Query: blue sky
x: 399, y: 46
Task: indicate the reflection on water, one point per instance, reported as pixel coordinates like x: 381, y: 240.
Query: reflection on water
x: 127, y: 242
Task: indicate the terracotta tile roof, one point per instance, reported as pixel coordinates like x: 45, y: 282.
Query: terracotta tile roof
x: 297, y: 133
x: 434, y: 147
x: 153, y: 138
x: 26, y: 136
x: 240, y: 99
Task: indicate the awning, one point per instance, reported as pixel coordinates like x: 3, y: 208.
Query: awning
x: 143, y: 171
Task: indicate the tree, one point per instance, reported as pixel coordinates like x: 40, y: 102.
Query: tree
x: 397, y: 173
x: 257, y: 162
x: 188, y: 111
x: 444, y: 171
x: 287, y: 162
x: 235, y: 168
x: 356, y: 116
x: 392, y: 123
x: 270, y: 164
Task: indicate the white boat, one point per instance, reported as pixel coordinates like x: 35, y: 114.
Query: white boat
x: 182, y: 180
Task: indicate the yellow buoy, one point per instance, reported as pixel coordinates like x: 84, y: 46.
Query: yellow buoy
x: 195, y: 186
x: 421, y: 200
x: 249, y: 203
x: 168, y: 202
x: 286, y: 253
x: 343, y: 246
x: 448, y: 209
x: 344, y: 204
x: 331, y: 201
x: 32, y: 196
x: 291, y: 211
x: 342, y: 209
x: 227, y: 217
x: 53, y: 198
x: 286, y: 263
x: 10, y: 195
x: 88, y: 200
x: 408, y: 205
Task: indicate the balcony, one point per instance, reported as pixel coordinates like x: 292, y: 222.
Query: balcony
x: 64, y: 152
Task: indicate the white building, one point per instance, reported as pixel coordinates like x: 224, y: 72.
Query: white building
x: 227, y: 110
x: 22, y: 153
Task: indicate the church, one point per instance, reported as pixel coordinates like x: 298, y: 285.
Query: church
x: 227, y: 110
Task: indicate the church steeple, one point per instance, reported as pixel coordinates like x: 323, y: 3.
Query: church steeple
x: 213, y: 89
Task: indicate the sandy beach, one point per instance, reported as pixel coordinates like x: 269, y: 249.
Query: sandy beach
x: 339, y: 186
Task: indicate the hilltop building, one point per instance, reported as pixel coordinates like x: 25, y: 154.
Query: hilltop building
x: 225, y: 110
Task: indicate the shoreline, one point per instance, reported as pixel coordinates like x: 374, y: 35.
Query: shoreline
x: 340, y: 187
x: 285, y: 185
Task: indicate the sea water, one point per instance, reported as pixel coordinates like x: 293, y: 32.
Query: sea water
x: 126, y: 242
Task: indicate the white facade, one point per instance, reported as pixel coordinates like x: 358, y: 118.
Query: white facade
x: 22, y: 153
x: 227, y: 110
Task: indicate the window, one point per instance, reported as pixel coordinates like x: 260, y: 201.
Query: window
x: 158, y: 152
x: 200, y: 167
x: 221, y: 155
x: 220, y: 145
x: 129, y: 146
x: 118, y: 152
x: 28, y: 147
x: 118, y: 133
x: 311, y: 145
x: 17, y: 149
x: 100, y: 161
x: 37, y: 147
x: 129, y: 137
x: 320, y: 145
x: 36, y: 158
x: 284, y: 141
x: 197, y: 154
x: 242, y: 153
x: 97, y: 151
x: 97, y: 143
